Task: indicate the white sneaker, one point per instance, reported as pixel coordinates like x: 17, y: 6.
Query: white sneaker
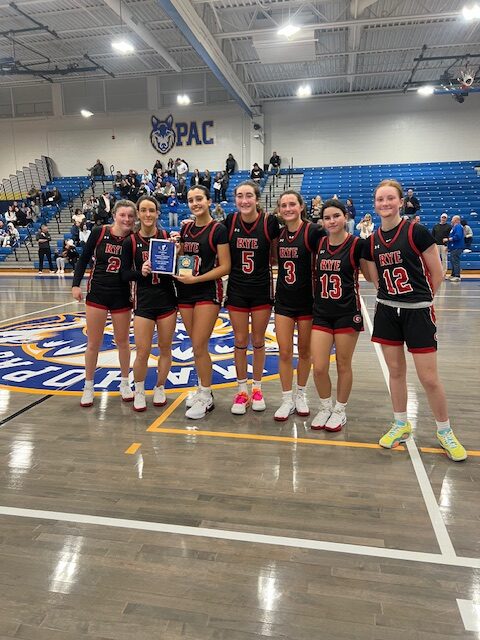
x: 301, y: 406
x: 258, y: 401
x: 192, y: 396
x: 159, y: 397
x: 284, y: 411
x: 87, y: 397
x: 321, y: 418
x: 240, y: 403
x: 139, y: 402
x: 200, y: 407
x: 336, y: 421
x: 126, y: 392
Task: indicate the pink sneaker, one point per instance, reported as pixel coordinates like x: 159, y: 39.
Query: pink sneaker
x: 258, y: 402
x: 240, y: 403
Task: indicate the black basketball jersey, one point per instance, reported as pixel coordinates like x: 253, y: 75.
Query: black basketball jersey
x: 106, y: 251
x: 336, y: 278
x: 295, y: 262
x: 402, y: 273
x: 250, y: 251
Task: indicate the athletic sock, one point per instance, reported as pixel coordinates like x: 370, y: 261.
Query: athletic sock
x: 124, y: 381
x: 242, y: 386
x: 287, y: 396
x: 340, y: 407
x: 443, y: 427
x: 205, y: 392
x: 326, y: 402
x: 300, y: 390
x: 140, y: 386
x: 88, y: 384
x: 400, y: 417
x: 256, y: 384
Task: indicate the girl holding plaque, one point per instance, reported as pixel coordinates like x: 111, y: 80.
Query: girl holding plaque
x: 252, y: 235
x: 154, y: 303
x: 106, y: 292
x: 200, y: 290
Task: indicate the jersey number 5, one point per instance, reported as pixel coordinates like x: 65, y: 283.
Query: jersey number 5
x: 330, y: 286
x: 397, y: 282
x: 113, y: 264
x: 247, y: 261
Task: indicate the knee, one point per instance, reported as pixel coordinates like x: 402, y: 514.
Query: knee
x: 304, y: 353
x: 122, y: 343
x: 430, y: 381
x: 286, y: 355
x: 142, y: 353
x: 199, y: 349
x: 258, y: 340
x: 344, y: 366
x: 397, y: 372
x: 320, y: 369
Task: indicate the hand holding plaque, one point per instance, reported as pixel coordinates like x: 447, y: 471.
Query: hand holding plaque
x: 187, y: 265
x: 162, y: 256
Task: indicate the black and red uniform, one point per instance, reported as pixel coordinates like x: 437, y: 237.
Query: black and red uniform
x: 336, y: 307
x: 250, y: 283
x: 296, y: 256
x: 105, y: 288
x: 202, y: 242
x: 153, y: 296
x: 404, y: 311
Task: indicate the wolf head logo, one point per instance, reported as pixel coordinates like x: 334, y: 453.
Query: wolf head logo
x: 163, y: 136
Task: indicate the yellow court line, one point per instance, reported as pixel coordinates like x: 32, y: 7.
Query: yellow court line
x: 471, y: 452
x: 133, y: 448
x: 170, y: 409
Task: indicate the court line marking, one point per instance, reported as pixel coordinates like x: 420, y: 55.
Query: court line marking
x: 133, y: 448
x: 470, y: 613
x: 443, y: 538
x: 169, y: 410
x: 242, y: 536
x: 32, y: 313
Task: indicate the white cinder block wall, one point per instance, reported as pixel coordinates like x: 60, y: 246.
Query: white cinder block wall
x: 339, y: 131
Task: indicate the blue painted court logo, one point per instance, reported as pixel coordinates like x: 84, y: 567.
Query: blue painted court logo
x: 163, y: 136
x: 47, y: 355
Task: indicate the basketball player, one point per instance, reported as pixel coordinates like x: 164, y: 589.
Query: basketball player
x: 200, y: 295
x: 297, y: 243
x: 154, y: 303
x: 337, y: 318
x: 406, y: 266
x: 251, y: 234
x: 106, y: 293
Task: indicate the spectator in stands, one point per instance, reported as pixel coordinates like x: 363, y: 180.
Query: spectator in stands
x: 60, y: 260
x: 90, y: 207
x: 43, y: 238
x: 256, y: 173
x: 217, y: 187
x: 97, y: 171
x: 118, y: 179
x: 131, y: 187
x: 105, y: 206
x: 143, y: 189
x: 29, y: 214
x: 78, y: 217
x: 230, y: 164
x: 72, y: 254
x: 218, y: 214
x: 350, y: 208
x: 182, y: 190
x: 416, y: 219
x: 11, y: 213
x: 350, y: 224
x: 456, y: 245
x: 316, y: 208
x: 181, y: 168
x: 207, y: 180
x: 196, y: 178
x: 34, y: 195
x: 75, y: 233
x: 468, y: 236
x: 14, y: 235
x: 170, y: 190
x: 171, y: 168
x: 158, y: 166
x: 411, y: 205
x: 83, y: 234
x: 21, y: 216
x: 224, y: 182
x: 53, y: 197
x: 275, y: 162
x: 4, y: 236
x: 172, y: 205
x: 146, y: 176
x: 366, y: 226
x: 440, y: 233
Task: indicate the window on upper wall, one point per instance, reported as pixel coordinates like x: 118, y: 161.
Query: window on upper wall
x: 35, y: 100
x: 83, y: 95
x: 5, y: 102
x: 126, y: 94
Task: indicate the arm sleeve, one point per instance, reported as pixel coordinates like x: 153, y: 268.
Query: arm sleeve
x: 422, y: 237
x: 273, y: 227
x: 86, y: 256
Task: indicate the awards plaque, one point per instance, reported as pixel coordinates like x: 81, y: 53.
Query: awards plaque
x: 187, y: 265
x: 162, y: 256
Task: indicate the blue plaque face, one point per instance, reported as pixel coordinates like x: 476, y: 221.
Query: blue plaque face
x: 162, y: 256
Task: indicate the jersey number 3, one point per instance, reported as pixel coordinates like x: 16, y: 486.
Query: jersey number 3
x: 397, y: 281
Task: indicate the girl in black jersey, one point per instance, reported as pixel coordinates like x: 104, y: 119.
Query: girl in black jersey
x: 154, y: 303
x: 406, y: 267
x: 106, y: 293
x: 200, y: 295
x: 337, y: 318
x: 252, y: 235
x: 297, y: 243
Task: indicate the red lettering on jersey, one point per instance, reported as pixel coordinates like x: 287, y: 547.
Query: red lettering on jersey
x: 327, y: 264
x: 288, y: 252
x: 387, y: 259
x: 247, y: 243
x: 115, y: 249
x: 144, y: 256
x: 191, y: 247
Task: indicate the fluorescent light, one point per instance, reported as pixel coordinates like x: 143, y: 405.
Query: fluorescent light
x: 183, y: 99
x: 426, y: 90
x: 471, y: 13
x: 304, y: 91
x: 86, y: 113
x: 288, y: 30
x: 123, y: 46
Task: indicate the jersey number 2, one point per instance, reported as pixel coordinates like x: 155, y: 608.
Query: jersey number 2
x: 113, y: 264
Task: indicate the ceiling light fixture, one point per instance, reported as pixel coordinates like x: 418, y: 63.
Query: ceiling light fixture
x: 426, y: 90
x: 471, y: 13
x: 183, y: 99
x: 86, y: 113
x: 123, y: 46
x: 288, y: 30
x: 304, y: 91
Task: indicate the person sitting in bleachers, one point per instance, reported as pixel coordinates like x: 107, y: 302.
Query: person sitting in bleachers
x: 467, y: 236
x: 171, y: 168
x: 11, y: 213
x: 14, y: 234
x: 196, y: 178
x: 182, y: 190
x: 90, y: 207
x: 105, y: 206
x: 146, y: 176
x: 181, y: 168
x: 53, y: 197
x: 256, y: 173
x: 366, y: 226
x: 83, y: 234
x: 172, y: 205
x: 72, y: 254
x: 315, y: 208
x: 217, y: 187
x: 60, y: 257
x: 97, y: 171
x: 78, y: 217
x: 21, y: 216
x: 143, y: 189
x: 158, y: 166
x: 118, y: 179
x: 207, y: 180
x: 4, y: 236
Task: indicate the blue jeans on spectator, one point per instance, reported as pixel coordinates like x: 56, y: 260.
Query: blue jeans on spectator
x: 455, y: 255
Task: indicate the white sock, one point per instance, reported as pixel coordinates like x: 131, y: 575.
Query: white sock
x: 340, y: 407
x: 256, y: 384
x: 442, y: 427
x: 326, y: 403
x: 205, y: 392
x: 140, y: 386
x: 287, y: 396
x: 124, y: 381
x: 400, y: 416
x: 160, y: 386
x: 88, y: 384
x: 300, y: 390
x: 242, y: 386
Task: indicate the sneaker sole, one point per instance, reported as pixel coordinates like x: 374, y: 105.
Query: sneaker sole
x: 85, y: 406
x: 160, y: 404
x: 211, y: 408
x: 139, y: 410
x: 282, y: 419
x: 334, y: 429
x: 302, y: 414
x: 261, y: 409
x: 317, y: 427
x: 238, y: 413
x: 127, y: 399
x: 448, y: 454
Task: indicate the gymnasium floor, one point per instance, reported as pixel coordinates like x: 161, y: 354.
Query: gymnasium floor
x: 142, y: 526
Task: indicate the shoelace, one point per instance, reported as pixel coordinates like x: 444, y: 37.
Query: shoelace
x: 241, y: 398
x: 449, y: 439
x: 397, y: 428
x: 257, y: 395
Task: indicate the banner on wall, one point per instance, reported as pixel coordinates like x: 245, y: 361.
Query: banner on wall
x: 167, y: 134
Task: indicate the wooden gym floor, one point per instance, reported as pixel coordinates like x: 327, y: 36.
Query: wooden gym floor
x: 116, y: 525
